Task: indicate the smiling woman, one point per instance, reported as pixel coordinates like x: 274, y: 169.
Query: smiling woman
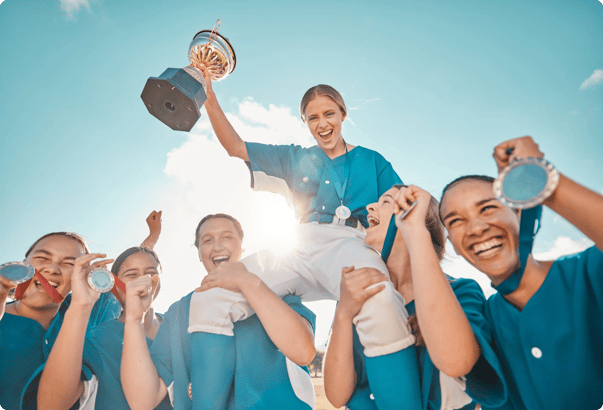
x: 328, y: 186
x: 549, y: 324
x: 31, y: 324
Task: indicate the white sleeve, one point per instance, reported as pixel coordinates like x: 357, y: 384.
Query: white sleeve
x: 88, y: 398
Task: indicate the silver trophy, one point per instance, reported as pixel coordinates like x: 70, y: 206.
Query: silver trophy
x: 177, y: 95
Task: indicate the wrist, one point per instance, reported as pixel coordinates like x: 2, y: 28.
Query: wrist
x: 342, y: 314
x: 249, y: 282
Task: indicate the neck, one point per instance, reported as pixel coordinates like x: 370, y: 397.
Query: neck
x: 338, y: 149
x: 533, y: 277
x: 42, y: 315
x: 398, y: 265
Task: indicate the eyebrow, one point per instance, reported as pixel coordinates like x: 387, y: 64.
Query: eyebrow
x: 384, y: 195
x: 479, y: 203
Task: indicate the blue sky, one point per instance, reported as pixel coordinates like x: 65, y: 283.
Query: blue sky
x: 433, y: 86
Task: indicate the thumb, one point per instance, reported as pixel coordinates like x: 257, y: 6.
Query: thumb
x: 347, y: 269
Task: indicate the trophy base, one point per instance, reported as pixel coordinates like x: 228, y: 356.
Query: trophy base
x: 174, y: 98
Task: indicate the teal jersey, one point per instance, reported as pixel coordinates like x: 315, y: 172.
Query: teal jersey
x: 262, y: 378
x: 102, y: 357
x: 485, y: 382
x: 552, y: 350
x: 301, y: 176
x: 25, y: 346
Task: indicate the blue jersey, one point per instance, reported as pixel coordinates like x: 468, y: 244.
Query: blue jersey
x: 300, y: 175
x: 102, y: 357
x: 262, y: 377
x: 552, y: 350
x: 484, y: 384
x: 25, y: 346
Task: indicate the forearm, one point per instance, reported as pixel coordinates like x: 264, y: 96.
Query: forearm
x: 289, y: 331
x: 444, y: 326
x: 338, y: 370
x: 581, y: 206
x: 150, y: 242
x: 61, y: 385
x: 228, y: 137
x: 142, y: 386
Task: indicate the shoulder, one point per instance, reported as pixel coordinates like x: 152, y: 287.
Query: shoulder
x: 591, y: 257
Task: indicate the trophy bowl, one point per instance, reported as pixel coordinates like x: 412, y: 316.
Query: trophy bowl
x: 214, y: 51
x: 177, y: 95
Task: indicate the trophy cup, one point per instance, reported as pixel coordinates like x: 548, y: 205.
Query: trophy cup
x: 176, y: 96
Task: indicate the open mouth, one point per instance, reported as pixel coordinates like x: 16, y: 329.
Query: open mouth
x: 219, y: 259
x: 39, y: 285
x: 487, y: 247
x: 326, y: 134
x: 372, y: 221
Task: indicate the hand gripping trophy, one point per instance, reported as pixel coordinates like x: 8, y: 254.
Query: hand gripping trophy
x: 176, y: 96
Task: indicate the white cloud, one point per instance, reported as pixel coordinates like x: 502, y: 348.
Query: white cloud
x: 70, y: 7
x: 595, y: 79
x: 562, y: 246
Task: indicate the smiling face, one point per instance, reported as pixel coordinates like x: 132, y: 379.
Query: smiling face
x: 54, y: 258
x: 481, y: 229
x: 137, y: 265
x: 324, y: 119
x: 379, y: 215
x: 219, y: 242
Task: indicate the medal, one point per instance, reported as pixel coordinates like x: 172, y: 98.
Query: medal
x: 343, y: 212
x: 101, y: 280
x: 18, y: 272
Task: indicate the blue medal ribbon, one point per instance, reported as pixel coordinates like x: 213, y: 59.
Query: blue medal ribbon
x: 527, y: 231
x: 339, y: 187
x: 388, y: 243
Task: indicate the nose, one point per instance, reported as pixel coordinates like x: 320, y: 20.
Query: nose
x: 477, y: 226
x: 50, y: 268
x: 371, y: 207
x: 322, y: 122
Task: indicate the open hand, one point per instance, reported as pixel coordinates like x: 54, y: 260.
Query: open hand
x: 232, y: 276
x: 82, y: 293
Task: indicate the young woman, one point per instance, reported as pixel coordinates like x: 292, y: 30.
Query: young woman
x: 548, y: 330
x: 30, y: 325
x: 97, y: 354
x: 269, y: 347
x: 457, y: 365
x: 329, y: 186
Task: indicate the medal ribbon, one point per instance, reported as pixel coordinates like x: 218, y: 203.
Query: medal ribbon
x: 527, y: 232
x: 118, y: 285
x: 52, y: 292
x: 388, y: 243
x: 339, y: 187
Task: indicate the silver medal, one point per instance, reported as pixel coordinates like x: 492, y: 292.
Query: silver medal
x: 18, y: 272
x: 101, y: 280
x: 343, y: 212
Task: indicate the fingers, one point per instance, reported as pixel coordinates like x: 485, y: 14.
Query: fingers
x: 369, y: 293
x: 523, y: 147
x: 347, y: 269
x: 141, y: 286
x: 101, y: 263
x: 86, y: 259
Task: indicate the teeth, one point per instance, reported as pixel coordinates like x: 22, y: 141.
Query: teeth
x: 372, y: 221
x: 53, y: 284
x: 324, y: 134
x: 221, y: 259
x: 479, y: 248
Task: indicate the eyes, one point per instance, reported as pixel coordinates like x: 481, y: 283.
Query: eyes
x: 314, y: 117
x: 210, y: 239
x: 45, y: 259
x: 484, y: 210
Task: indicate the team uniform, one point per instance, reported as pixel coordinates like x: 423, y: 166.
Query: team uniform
x: 102, y: 361
x: 325, y: 243
x: 484, y: 384
x: 25, y: 346
x: 264, y: 378
x: 551, y: 351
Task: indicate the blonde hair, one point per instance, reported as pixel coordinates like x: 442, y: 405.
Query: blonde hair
x: 321, y: 90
